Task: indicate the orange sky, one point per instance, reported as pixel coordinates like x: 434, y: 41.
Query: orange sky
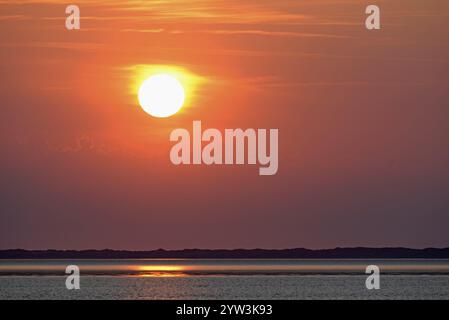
x: 362, y: 118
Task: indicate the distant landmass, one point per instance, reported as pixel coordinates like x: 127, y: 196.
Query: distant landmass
x: 298, y: 253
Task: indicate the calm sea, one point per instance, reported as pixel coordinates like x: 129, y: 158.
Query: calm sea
x: 224, y: 279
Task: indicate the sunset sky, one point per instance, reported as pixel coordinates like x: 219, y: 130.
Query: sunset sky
x: 362, y: 118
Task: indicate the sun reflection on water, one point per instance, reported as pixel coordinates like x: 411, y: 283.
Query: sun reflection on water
x: 160, y: 271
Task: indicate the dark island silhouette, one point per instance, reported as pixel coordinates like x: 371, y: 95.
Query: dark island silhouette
x: 297, y: 253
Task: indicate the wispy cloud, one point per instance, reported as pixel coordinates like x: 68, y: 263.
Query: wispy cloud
x: 13, y: 17
x: 265, y: 33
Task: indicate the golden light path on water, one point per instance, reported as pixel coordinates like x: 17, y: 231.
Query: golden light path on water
x: 192, y: 267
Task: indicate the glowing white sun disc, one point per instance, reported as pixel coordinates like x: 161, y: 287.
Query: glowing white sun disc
x: 161, y: 95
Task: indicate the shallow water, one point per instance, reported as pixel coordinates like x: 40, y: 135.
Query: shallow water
x: 220, y: 266
x: 226, y: 287
x: 224, y: 279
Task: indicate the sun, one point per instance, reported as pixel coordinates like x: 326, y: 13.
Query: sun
x: 164, y: 90
x: 161, y: 95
